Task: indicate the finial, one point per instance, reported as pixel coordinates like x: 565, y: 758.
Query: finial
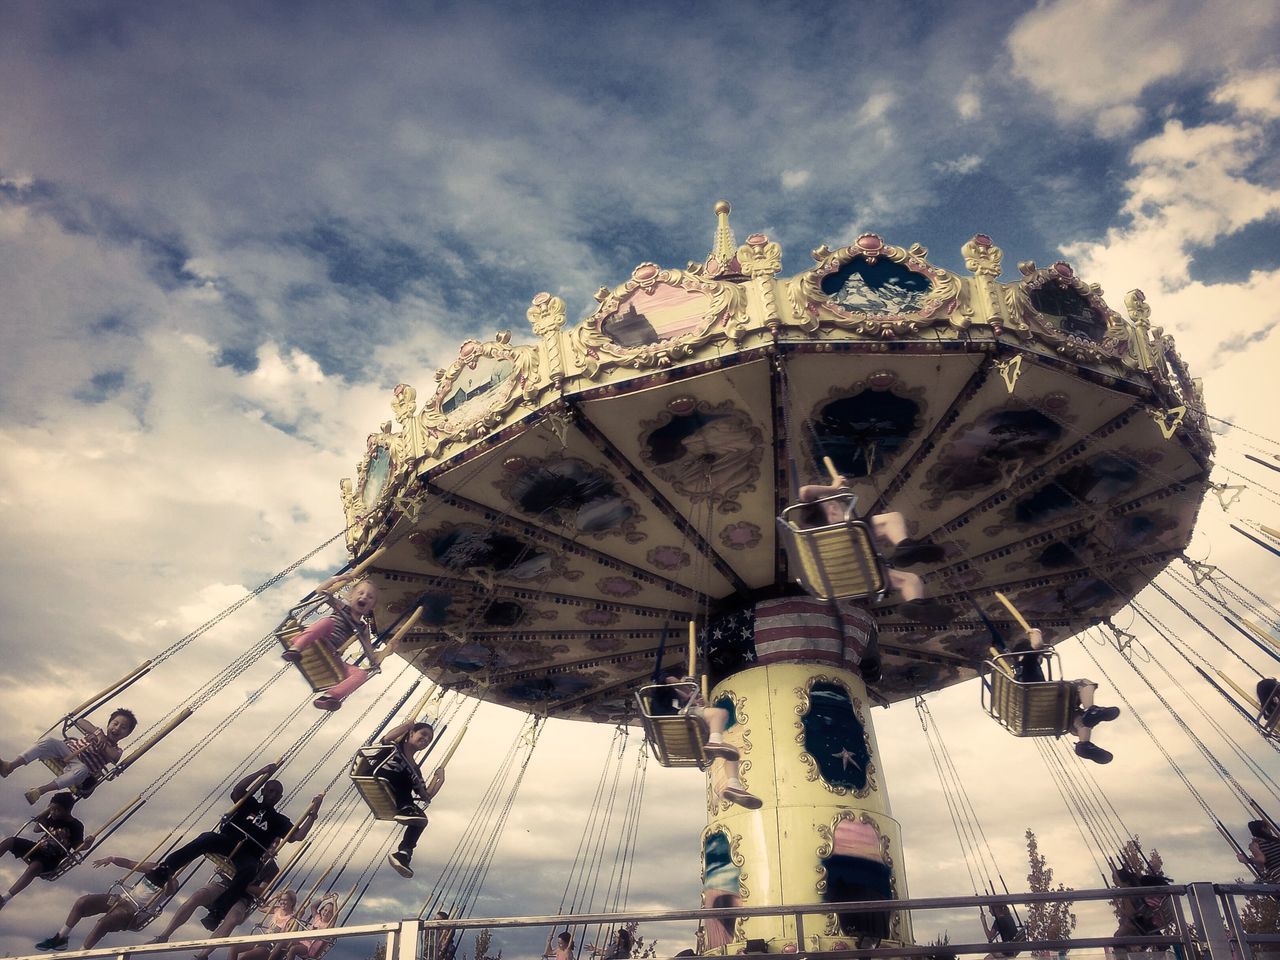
x: 724, y: 248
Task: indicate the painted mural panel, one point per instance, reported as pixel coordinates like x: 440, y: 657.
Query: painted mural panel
x: 721, y: 886
x: 881, y: 287
x: 660, y: 313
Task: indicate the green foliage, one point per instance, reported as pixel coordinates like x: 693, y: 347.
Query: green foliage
x: 1260, y: 914
x: 484, y: 940
x: 1045, y: 921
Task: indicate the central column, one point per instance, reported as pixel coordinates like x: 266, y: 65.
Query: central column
x: 789, y: 671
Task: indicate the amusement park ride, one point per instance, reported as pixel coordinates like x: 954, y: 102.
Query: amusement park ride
x: 606, y: 525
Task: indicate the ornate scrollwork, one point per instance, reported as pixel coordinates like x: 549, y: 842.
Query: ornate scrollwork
x: 546, y: 315
x: 811, y: 306
x: 522, y: 383
x: 593, y: 348
x: 1112, y: 343
x: 804, y: 694
x: 984, y: 300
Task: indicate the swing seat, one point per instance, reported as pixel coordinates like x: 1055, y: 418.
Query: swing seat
x: 145, y: 909
x: 676, y: 739
x: 70, y: 858
x: 1027, y: 709
x: 833, y: 561
x: 375, y: 792
x: 320, y: 665
x: 57, y: 767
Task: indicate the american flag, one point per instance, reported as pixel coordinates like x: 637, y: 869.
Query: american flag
x: 789, y: 629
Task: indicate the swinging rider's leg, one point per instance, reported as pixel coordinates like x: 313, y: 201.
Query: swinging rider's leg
x: 717, y: 719
x: 1088, y: 717
x: 332, y: 698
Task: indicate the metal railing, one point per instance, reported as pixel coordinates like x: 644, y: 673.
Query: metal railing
x: 1206, y: 926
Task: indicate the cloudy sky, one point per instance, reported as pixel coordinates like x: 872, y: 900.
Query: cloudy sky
x: 227, y: 230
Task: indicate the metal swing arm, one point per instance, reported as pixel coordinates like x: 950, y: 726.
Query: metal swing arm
x: 82, y: 710
x: 1267, y: 722
x: 136, y: 753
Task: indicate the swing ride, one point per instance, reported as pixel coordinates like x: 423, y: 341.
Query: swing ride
x: 554, y: 508
x: 738, y: 510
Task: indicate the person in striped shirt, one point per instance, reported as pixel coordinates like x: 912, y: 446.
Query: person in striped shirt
x: 83, y: 759
x: 1264, y: 852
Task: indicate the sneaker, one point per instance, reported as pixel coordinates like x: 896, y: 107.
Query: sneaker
x: 53, y: 943
x: 720, y: 751
x: 1096, y: 715
x: 742, y: 798
x: 291, y: 656
x: 1091, y: 751
x: 157, y: 877
x: 210, y: 921
x: 399, y: 861
x: 32, y: 795
x: 410, y: 814
x: 327, y: 703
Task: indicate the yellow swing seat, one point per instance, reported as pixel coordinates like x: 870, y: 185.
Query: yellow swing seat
x: 375, y: 792
x: 1027, y: 709
x: 833, y: 561
x: 320, y: 665
x: 58, y: 768
x: 676, y: 739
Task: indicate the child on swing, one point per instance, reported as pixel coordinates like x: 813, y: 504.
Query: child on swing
x: 717, y: 721
x: 402, y: 773
x: 311, y: 948
x: 336, y: 631
x: 61, y: 835
x: 83, y: 758
x: 889, y: 530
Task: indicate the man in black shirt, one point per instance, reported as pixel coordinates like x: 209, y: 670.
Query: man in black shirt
x: 244, y: 837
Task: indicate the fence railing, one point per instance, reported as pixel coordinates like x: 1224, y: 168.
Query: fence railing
x: 1206, y: 925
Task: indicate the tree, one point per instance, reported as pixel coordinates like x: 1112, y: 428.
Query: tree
x: 941, y: 942
x: 1260, y: 914
x: 1046, y: 921
x: 380, y: 951
x: 484, y: 940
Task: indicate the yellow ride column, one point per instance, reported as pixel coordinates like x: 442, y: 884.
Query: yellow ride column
x: 800, y: 719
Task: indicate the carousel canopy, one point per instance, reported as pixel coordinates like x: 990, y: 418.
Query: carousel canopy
x: 556, y: 506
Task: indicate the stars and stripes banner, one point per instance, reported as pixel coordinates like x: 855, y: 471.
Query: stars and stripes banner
x: 789, y: 629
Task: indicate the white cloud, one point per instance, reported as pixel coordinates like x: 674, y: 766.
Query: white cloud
x: 1256, y: 94
x: 1190, y: 187
x: 968, y: 103
x: 956, y: 166
x: 875, y: 107
x: 792, y: 179
x: 1094, y: 58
